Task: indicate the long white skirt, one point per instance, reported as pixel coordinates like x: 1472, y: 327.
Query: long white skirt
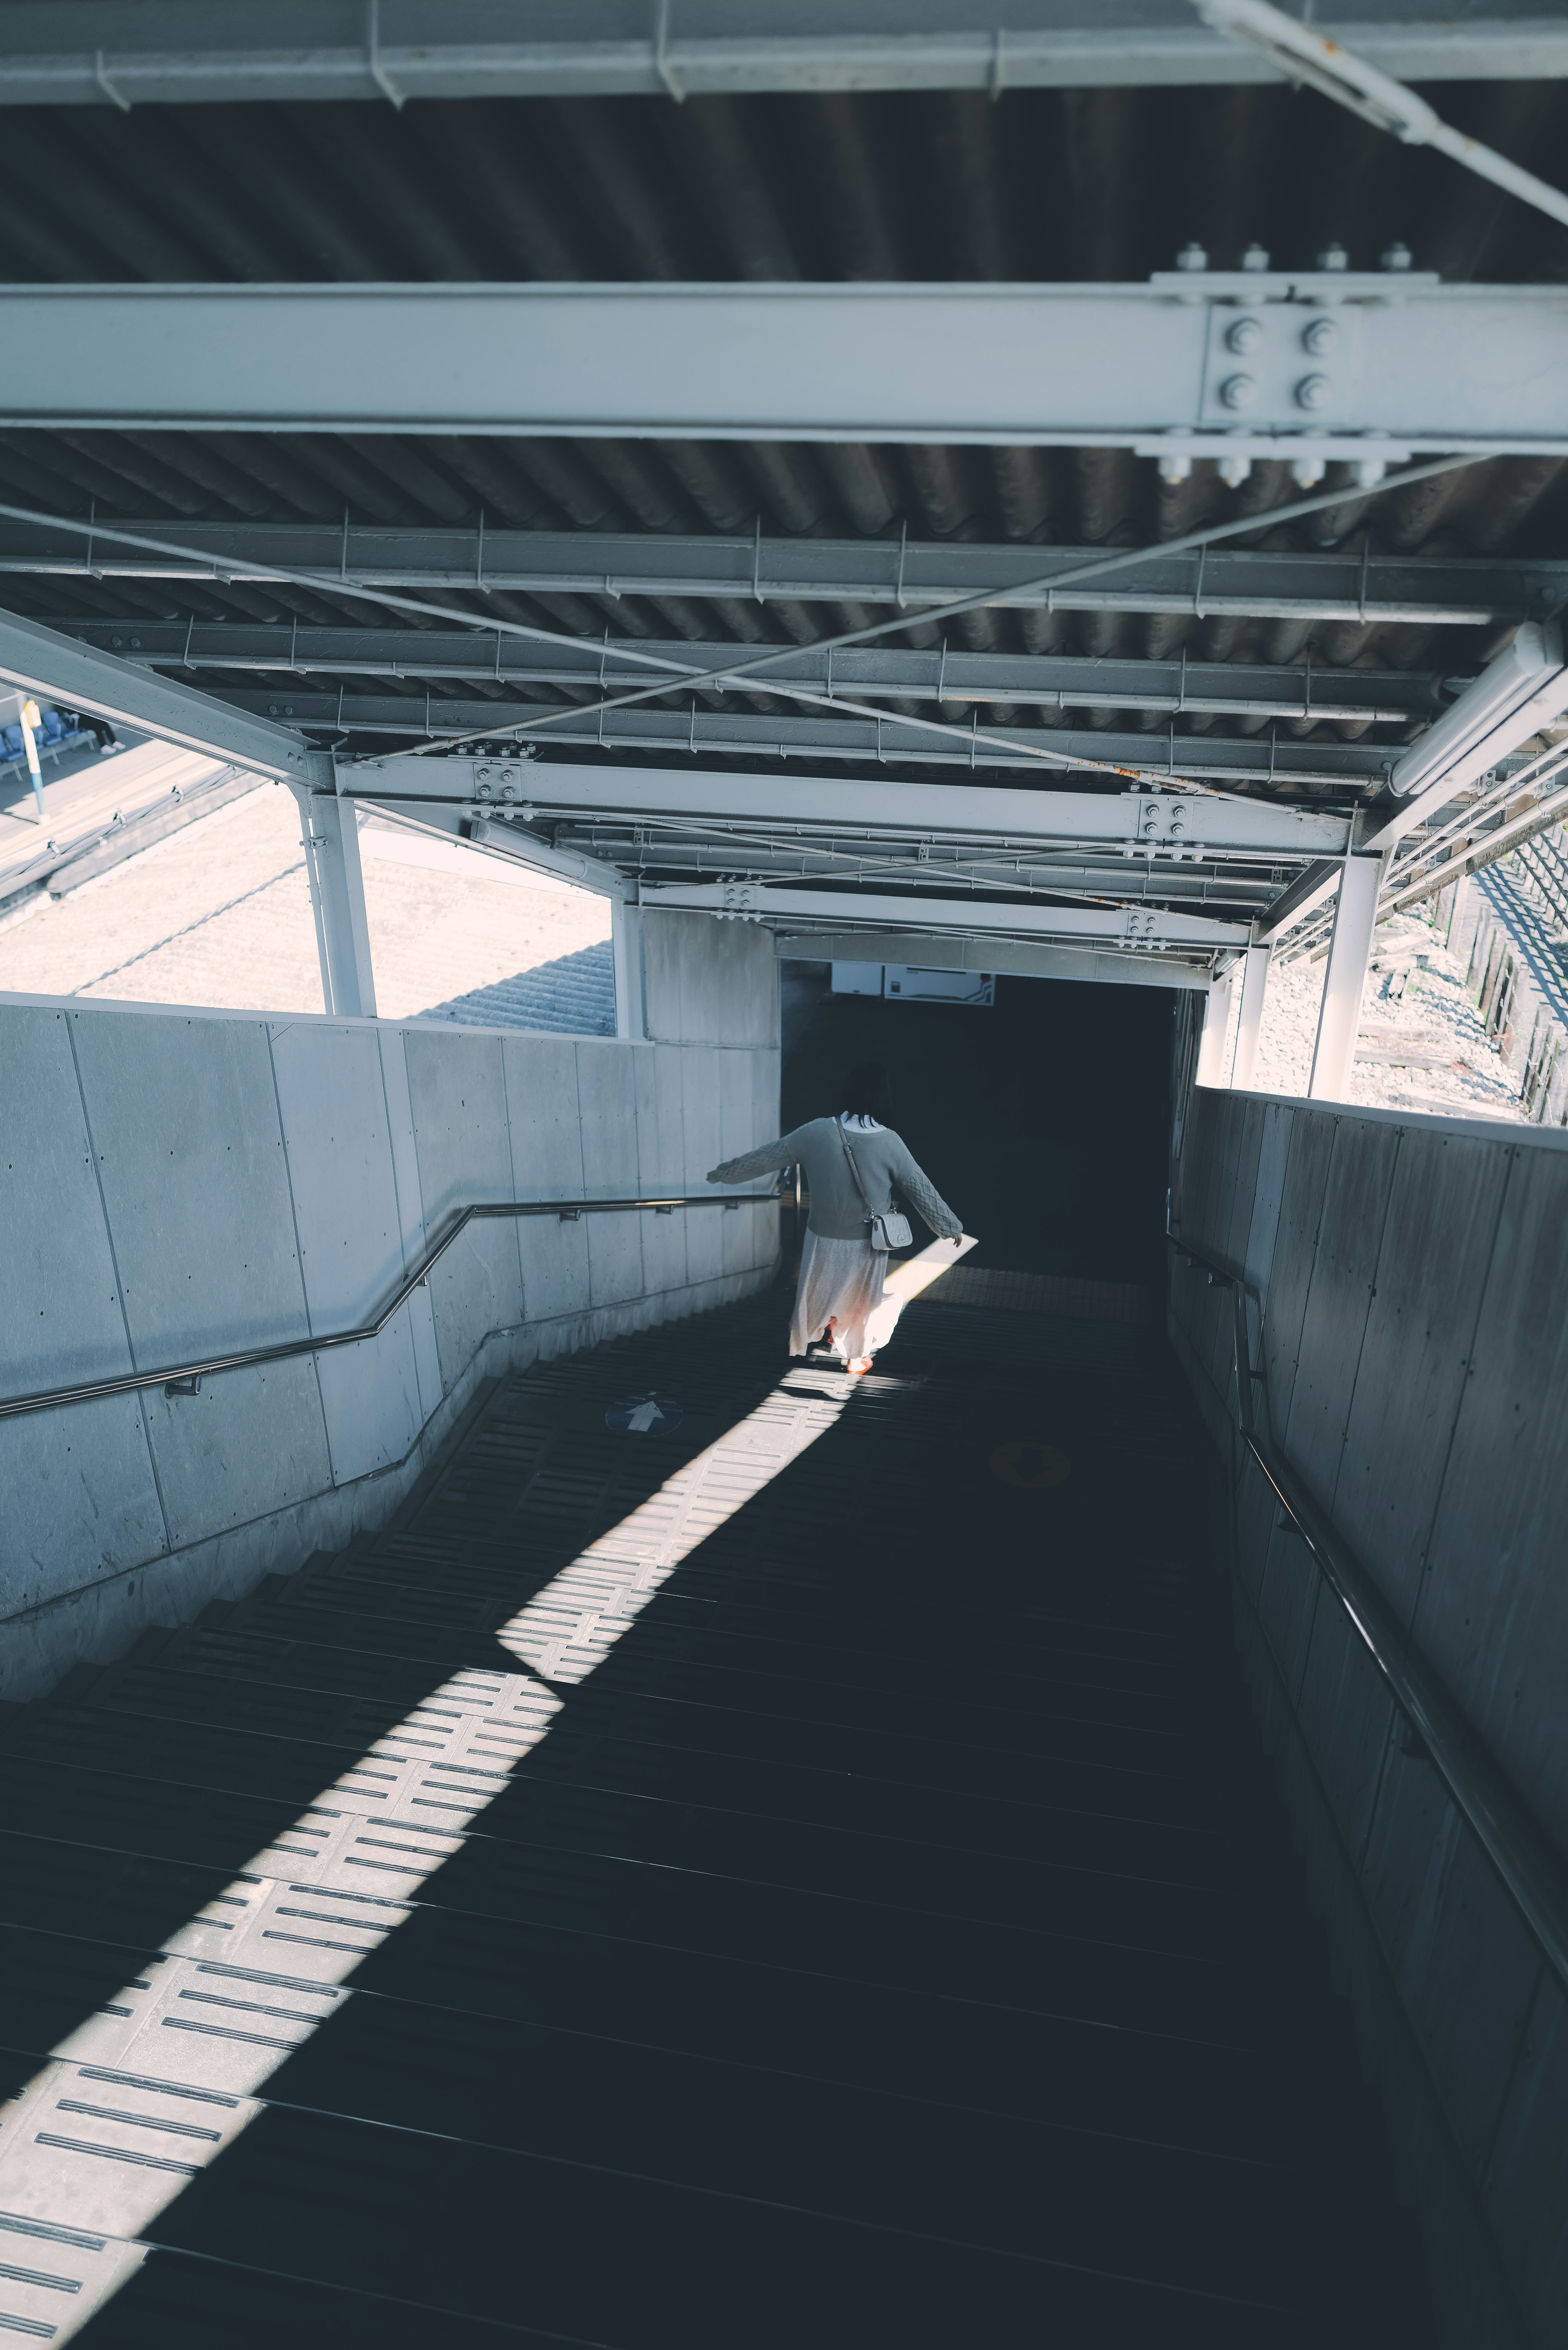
x: 841, y: 1282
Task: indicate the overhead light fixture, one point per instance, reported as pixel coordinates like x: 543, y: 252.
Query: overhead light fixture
x: 1514, y: 697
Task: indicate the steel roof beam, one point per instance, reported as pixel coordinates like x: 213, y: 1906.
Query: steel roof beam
x: 674, y: 856
x: 171, y: 52
x: 1045, y: 681
x: 1233, y: 366
x: 1220, y: 583
x: 1156, y: 825
x: 1352, y: 769
x: 38, y: 661
x: 1004, y: 958
x: 1130, y: 928
x: 618, y: 866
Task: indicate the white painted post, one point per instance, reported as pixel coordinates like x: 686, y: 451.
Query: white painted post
x: 1349, y: 953
x: 1216, y: 1024
x: 1249, y: 1028
x: 332, y: 847
x: 626, y: 938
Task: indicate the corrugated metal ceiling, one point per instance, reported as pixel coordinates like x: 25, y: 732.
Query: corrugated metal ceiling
x: 1045, y: 185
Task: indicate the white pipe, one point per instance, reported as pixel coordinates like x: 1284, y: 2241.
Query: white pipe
x: 1302, y: 55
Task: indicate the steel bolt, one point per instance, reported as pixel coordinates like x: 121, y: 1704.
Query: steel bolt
x: 1397, y: 255
x: 1239, y: 391
x: 1315, y: 391
x: 1320, y: 338
x: 1235, y: 471
x: 1255, y: 258
x: 1333, y: 256
x: 1244, y: 336
x: 1192, y: 256
x: 1175, y: 469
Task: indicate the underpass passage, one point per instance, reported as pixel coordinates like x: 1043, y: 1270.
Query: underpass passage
x: 879, y: 1929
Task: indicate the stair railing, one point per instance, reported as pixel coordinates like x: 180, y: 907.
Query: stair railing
x: 1532, y: 1870
x: 183, y: 1378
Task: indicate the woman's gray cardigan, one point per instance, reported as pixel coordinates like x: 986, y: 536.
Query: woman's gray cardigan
x: 838, y: 1212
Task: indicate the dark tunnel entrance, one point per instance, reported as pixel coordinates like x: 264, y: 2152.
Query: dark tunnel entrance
x: 1044, y: 1119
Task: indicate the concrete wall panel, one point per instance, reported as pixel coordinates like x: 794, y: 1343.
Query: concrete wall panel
x: 332, y: 1092
x: 225, y: 1182
x: 548, y: 1164
x: 1467, y: 1969
x: 1492, y: 1614
x: 1443, y: 1210
x: 80, y: 1500
x: 418, y: 1312
x: 1295, y: 1244
x: 1344, y: 1275
x: 1288, y: 1603
x: 606, y: 1094
x: 185, y: 1131
x: 60, y: 1315
x: 710, y: 982
x: 661, y: 1163
x: 705, y: 1149
x: 1413, y: 1272
x: 459, y: 1092
x: 737, y: 1132
x: 1347, y: 1717
x: 1268, y: 1192
x: 252, y: 1441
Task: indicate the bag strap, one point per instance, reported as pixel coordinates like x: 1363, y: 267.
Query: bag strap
x: 853, y: 1169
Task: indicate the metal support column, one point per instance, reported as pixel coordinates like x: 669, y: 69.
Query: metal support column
x: 1254, y: 987
x: 1350, y: 950
x: 337, y: 894
x: 626, y: 937
x: 1216, y: 1026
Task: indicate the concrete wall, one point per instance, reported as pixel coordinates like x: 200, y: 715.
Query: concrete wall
x: 1414, y: 1273
x: 173, y: 1183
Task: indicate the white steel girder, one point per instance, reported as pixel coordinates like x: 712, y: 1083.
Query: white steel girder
x: 38, y: 661
x: 97, y: 52
x: 1132, y: 929
x: 1368, y: 370
x: 1139, y: 824
x: 1005, y: 958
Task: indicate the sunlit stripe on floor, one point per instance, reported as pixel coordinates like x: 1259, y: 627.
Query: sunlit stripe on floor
x: 147, y: 2093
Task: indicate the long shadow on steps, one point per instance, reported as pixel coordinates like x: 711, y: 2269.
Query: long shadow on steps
x: 885, y: 1939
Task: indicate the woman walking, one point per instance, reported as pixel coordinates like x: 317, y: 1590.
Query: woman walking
x: 852, y: 1162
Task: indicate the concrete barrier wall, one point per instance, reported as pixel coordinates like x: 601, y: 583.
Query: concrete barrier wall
x: 176, y: 1183
x: 1414, y: 1278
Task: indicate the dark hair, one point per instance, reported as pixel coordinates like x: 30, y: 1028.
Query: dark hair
x: 866, y: 1093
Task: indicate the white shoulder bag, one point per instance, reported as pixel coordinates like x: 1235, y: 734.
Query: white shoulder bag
x: 889, y: 1231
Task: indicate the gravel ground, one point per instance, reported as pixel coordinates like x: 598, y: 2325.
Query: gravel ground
x: 220, y: 916
x: 1416, y: 1006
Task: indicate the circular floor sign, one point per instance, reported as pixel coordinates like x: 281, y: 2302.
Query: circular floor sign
x: 1030, y: 1464
x: 648, y: 1415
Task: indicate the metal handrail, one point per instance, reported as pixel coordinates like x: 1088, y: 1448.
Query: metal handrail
x: 1529, y: 1868
x: 182, y: 1375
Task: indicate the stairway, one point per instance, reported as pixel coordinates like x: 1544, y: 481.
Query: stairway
x: 876, y: 1927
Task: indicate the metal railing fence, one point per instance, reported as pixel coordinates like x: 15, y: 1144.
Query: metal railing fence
x: 182, y: 1378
